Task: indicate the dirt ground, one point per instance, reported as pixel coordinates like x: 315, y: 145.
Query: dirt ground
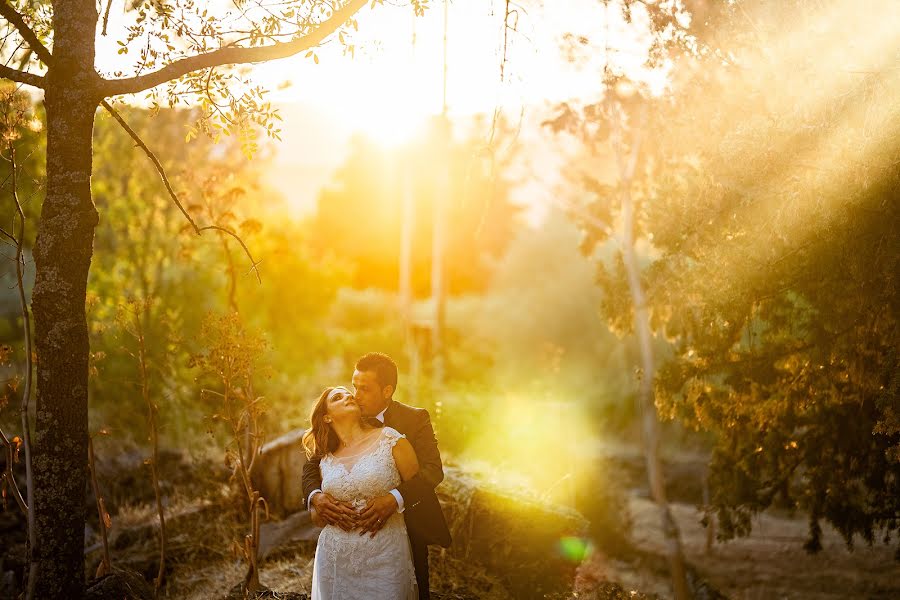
x: 771, y: 563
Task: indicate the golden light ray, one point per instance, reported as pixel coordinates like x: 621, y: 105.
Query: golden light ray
x: 846, y: 144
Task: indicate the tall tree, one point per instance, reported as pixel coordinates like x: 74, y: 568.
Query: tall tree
x: 767, y: 206
x: 778, y: 274
x: 615, y: 128
x: 182, y: 45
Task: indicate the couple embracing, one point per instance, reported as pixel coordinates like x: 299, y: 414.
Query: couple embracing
x: 373, y: 467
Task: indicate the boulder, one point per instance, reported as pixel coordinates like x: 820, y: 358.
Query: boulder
x: 276, y: 534
x: 532, y: 547
x: 277, y: 473
x: 9, y: 585
x: 515, y: 537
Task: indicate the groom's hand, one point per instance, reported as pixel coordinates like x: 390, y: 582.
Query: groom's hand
x: 376, y: 514
x: 333, y: 512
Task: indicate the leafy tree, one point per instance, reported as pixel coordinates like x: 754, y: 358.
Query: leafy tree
x: 789, y: 353
x: 183, y: 281
x: 767, y: 203
x: 616, y: 125
x: 182, y: 46
x: 144, y: 257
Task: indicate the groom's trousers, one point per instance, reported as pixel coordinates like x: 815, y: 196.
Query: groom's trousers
x: 420, y: 563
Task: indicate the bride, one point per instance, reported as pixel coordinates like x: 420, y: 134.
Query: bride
x: 359, y: 462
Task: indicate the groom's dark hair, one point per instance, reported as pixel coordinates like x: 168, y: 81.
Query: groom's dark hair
x: 383, y: 365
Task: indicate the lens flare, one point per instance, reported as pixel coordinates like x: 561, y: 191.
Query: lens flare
x: 575, y: 549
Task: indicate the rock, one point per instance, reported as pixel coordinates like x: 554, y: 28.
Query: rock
x: 533, y: 547
x: 12, y: 567
x: 277, y: 473
x: 120, y: 584
x: 13, y: 549
x: 296, y: 528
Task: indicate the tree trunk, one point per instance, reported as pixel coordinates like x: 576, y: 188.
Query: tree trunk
x: 438, y: 251
x: 649, y: 417
x: 62, y: 256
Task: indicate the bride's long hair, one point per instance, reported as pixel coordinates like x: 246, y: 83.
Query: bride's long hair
x: 320, y: 438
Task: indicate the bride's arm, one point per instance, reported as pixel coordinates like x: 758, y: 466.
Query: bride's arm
x: 420, y: 433
x: 406, y: 460
x: 381, y: 508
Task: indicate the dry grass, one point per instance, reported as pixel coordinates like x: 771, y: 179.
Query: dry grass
x: 203, y: 565
x: 204, y: 581
x: 463, y: 579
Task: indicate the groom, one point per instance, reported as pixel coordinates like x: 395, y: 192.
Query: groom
x: 374, y: 383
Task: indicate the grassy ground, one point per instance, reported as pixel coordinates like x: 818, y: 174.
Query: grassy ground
x: 771, y: 563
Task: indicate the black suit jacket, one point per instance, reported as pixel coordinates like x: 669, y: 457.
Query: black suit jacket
x: 425, y: 520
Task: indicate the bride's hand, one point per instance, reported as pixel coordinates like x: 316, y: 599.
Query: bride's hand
x: 330, y: 511
x: 376, y: 514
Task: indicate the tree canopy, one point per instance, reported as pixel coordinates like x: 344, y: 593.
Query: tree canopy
x: 767, y: 208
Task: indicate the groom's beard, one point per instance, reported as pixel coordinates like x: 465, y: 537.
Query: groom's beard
x: 366, y: 413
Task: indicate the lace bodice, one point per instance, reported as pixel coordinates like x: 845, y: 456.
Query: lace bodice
x: 349, y: 566
x: 371, y: 475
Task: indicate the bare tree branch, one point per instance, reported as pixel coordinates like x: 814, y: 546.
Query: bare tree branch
x: 8, y: 474
x: 11, y: 15
x: 26, y: 326
x: 106, y: 16
x: 162, y: 173
x: 29, y: 371
x: 232, y: 56
x: 21, y: 76
x: 254, y: 263
x: 159, y: 168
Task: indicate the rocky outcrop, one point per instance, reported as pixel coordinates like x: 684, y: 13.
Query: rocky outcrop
x: 521, y: 540
x: 533, y: 547
x: 277, y: 473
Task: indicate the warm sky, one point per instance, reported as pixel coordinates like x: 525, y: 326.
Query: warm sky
x: 399, y: 81
x: 393, y: 85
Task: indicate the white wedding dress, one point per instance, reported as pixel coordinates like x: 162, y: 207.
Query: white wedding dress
x: 353, y: 567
